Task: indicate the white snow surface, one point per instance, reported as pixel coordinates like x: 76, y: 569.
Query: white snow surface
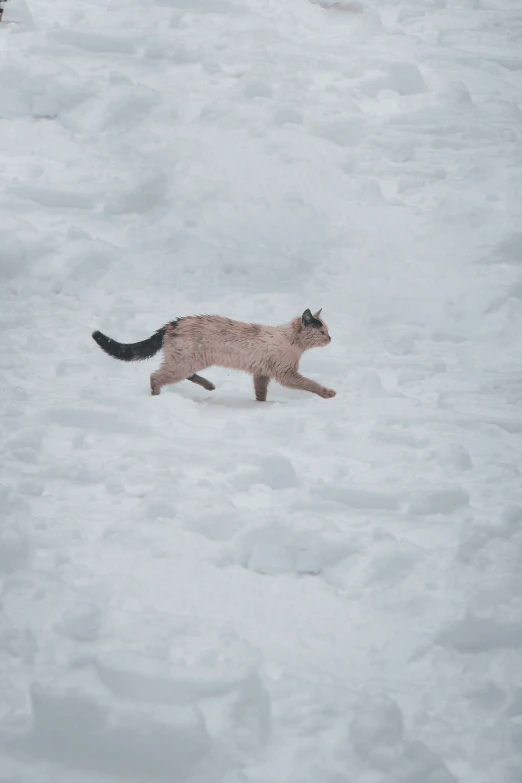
x: 197, y: 587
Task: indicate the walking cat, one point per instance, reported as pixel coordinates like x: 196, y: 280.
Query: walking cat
x: 195, y: 342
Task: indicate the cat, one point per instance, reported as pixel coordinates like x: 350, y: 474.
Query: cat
x: 193, y: 343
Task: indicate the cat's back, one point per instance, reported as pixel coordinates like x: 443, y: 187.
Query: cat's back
x: 221, y: 330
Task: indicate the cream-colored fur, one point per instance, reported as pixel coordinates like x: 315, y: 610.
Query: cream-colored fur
x: 194, y: 343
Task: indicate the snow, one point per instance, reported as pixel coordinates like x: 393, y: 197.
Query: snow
x: 198, y: 587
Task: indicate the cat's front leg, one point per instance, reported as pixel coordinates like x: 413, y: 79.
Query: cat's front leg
x: 294, y: 380
x: 261, y: 387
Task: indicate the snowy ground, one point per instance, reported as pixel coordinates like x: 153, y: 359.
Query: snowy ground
x: 197, y: 587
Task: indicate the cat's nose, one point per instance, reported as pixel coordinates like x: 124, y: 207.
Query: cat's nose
x: 329, y: 339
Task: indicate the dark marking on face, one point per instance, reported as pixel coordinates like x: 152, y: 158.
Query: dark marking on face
x: 309, y: 320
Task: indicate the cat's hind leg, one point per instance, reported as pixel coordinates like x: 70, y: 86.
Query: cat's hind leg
x: 167, y: 375
x: 163, y: 377
x: 201, y: 382
x: 174, y: 373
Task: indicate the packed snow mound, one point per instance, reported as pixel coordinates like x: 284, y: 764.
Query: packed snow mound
x: 198, y: 587
x: 152, y: 713
x: 278, y: 548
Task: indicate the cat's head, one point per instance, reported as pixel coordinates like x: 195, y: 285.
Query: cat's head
x: 311, y: 330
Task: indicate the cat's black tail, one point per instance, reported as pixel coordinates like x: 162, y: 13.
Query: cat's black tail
x: 132, y: 352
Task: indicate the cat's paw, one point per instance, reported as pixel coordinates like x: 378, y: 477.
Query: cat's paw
x: 327, y: 393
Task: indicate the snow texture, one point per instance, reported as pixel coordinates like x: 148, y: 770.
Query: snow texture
x: 197, y: 587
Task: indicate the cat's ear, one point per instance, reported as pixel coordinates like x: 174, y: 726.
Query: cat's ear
x: 318, y: 313
x: 307, y: 317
